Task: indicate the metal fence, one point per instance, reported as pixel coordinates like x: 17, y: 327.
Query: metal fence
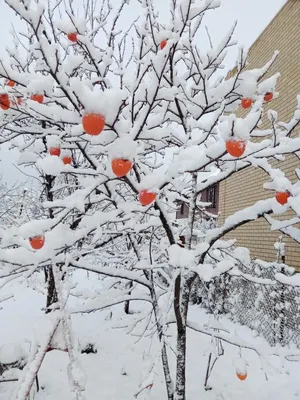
x: 272, y: 310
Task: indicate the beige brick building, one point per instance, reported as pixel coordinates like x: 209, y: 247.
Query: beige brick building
x: 246, y: 187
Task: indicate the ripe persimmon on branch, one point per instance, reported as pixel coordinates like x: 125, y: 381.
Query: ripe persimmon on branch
x: 123, y: 117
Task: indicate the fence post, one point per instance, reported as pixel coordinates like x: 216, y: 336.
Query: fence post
x: 280, y: 304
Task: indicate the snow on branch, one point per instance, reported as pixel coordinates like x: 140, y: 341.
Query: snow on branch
x: 34, y: 363
x: 97, y: 305
x: 111, y: 271
x: 264, y: 351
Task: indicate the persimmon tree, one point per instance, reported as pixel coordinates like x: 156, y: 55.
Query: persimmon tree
x: 124, y: 120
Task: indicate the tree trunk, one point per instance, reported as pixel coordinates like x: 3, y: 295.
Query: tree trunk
x: 182, y: 290
x: 127, y: 303
x: 168, y: 379
x: 49, y: 275
x: 164, y: 354
x: 181, y: 342
x: 126, y: 307
x: 181, y: 303
x: 51, y: 291
x: 181, y: 364
x: 46, y: 274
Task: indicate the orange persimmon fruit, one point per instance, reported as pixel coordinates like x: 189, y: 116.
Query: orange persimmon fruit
x: 37, y: 97
x: 121, y: 167
x: 72, y: 36
x: 4, y: 101
x: 54, y: 151
x: 67, y: 160
x: 246, y: 102
x: 241, y: 377
x: 163, y: 44
x: 146, y: 197
x: 37, y: 242
x: 235, y: 148
x: 93, y: 124
x: 282, y: 197
x: 268, y: 96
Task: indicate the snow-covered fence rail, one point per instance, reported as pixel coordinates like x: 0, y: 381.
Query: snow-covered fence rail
x: 258, y: 300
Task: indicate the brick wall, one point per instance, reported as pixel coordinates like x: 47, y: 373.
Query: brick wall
x: 246, y: 187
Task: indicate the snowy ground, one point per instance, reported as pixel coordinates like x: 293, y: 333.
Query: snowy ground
x: 116, y: 371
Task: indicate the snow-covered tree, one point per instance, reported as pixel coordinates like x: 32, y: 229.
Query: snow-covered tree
x: 10, y: 204
x: 20, y: 203
x: 125, y: 118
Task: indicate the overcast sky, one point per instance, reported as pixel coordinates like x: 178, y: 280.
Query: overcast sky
x: 252, y: 16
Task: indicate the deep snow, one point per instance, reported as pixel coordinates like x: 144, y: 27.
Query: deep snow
x: 122, y: 361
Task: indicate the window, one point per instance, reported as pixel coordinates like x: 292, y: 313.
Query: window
x: 181, y: 211
x: 212, y: 196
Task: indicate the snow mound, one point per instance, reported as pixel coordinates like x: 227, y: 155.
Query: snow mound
x: 11, y: 353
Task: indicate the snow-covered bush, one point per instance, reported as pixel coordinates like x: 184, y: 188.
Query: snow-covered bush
x: 124, y: 118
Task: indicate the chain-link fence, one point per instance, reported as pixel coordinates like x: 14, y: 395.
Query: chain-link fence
x: 256, y: 299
